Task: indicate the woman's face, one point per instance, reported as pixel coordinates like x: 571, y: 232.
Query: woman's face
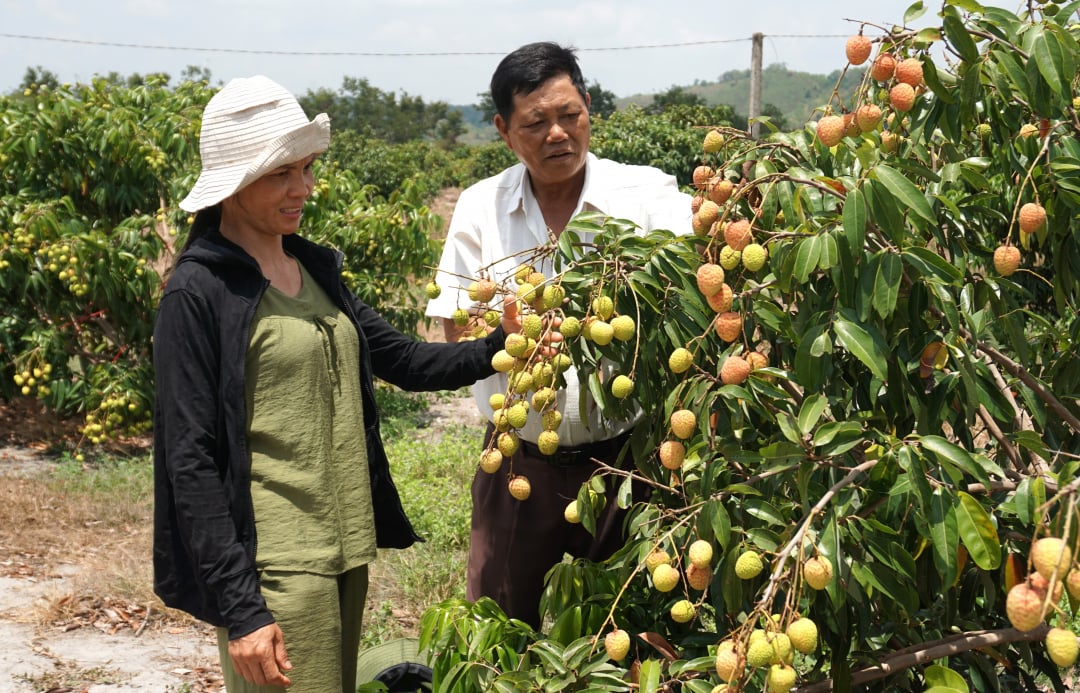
x: 273, y: 204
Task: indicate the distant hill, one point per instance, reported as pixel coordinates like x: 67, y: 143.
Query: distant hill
x: 795, y: 94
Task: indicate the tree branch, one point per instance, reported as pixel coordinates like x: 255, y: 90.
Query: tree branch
x: 929, y: 651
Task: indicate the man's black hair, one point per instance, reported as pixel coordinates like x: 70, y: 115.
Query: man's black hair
x: 525, y: 69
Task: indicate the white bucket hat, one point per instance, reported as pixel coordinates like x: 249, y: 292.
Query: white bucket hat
x: 249, y: 128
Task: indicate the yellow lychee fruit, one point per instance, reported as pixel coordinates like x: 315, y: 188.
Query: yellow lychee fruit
x: 1072, y: 582
x: 817, y: 572
x: 553, y: 296
x: 902, y: 97
x: 1023, y: 606
x: 713, y: 141
x: 1006, y: 259
x: 617, y: 644
x: 551, y: 419
x: 570, y: 327
x: 472, y: 290
x: 517, y: 414
x: 432, y: 290
x: 729, y: 665
x: 868, y: 116
x: 698, y: 577
x: 738, y: 235
x: 1032, y: 215
x: 683, y: 611
x: 655, y: 558
x: 526, y: 292
x: 783, y: 652
x: 884, y: 67
x: 491, y: 461
x: 485, y: 290
x: 748, y: 565
x: 665, y: 577
x: 544, y: 396
x: 497, y: 400
x: 857, y: 49
x: 680, y: 360
x: 515, y: 344
x: 708, y: 213
x: 734, y: 371
x: 754, y: 256
x: 780, y: 679
x: 621, y: 386
x: 1062, y: 647
x: 603, y: 307
x: 723, y: 299
x: 830, y: 130
x: 571, y: 513
x: 548, y: 442
x: 710, y: 277
x: 910, y: 72
x: 601, y: 332
x: 1028, y: 130
x: 729, y: 325
x: 623, y: 328
x: 700, y: 553
x: 519, y: 487
x: 502, y: 362
x: 683, y: 423
x: 1050, y: 555
x: 672, y: 454
x: 757, y: 360
x: 803, y: 634
x: 729, y: 258
x: 508, y: 443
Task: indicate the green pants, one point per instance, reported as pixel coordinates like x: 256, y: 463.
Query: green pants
x: 320, y: 617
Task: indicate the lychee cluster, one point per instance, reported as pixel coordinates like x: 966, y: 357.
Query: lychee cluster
x: 1030, y: 601
x: 772, y: 646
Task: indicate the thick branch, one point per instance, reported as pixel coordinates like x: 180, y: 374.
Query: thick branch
x: 1022, y: 374
x: 929, y: 651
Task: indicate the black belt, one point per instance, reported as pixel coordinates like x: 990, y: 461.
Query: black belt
x: 565, y: 456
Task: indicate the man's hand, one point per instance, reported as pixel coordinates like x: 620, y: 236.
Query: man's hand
x: 260, y: 656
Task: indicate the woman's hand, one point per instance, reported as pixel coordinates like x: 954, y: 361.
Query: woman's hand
x: 260, y: 656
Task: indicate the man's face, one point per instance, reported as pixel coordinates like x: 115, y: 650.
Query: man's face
x: 549, y: 131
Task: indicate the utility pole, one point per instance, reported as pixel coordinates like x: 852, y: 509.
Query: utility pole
x: 755, y: 85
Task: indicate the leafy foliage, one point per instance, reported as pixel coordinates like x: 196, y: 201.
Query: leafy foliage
x: 912, y: 417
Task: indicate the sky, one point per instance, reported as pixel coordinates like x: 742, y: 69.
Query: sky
x: 439, y: 50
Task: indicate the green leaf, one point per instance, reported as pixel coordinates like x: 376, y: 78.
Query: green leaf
x: 978, y: 533
x: 1049, y: 56
x: 948, y: 453
x: 928, y: 263
x: 855, y: 219
x: 941, y: 676
x: 865, y: 345
x: 810, y: 413
x: 807, y: 254
x: 906, y: 192
x: 649, y: 676
x: 944, y: 535
x: 958, y: 36
x: 887, y: 284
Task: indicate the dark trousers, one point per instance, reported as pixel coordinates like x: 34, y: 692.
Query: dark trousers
x: 514, y: 543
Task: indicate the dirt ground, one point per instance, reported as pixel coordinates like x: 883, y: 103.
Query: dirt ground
x: 59, y: 631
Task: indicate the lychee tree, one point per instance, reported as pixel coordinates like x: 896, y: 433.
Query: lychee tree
x: 864, y: 407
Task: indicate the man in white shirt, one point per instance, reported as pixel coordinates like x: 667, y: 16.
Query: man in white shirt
x: 498, y: 224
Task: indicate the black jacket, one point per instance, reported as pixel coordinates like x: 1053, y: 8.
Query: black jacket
x: 204, y: 527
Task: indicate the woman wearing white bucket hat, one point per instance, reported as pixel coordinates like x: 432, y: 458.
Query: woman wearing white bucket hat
x: 272, y: 488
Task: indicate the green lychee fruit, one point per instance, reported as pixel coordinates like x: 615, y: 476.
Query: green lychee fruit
x: 803, y: 634
x: 665, y: 578
x: 759, y: 653
x: 571, y: 514
x: 460, y: 317
x: 603, y: 307
x: 748, y: 565
x: 713, y: 141
x: 623, y: 328
x: 700, y: 553
x: 729, y: 258
x: 432, y: 290
x: 680, y: 360
x: 683, y: 611
x: 754, y: 256
x: 532, y: 325
x: 570, y: 327
x: 621, y: 386
x: 502, y: 362
x: 548, y: 442
x: 601, y: 332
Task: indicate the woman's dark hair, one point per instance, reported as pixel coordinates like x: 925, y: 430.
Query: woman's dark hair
x: 205, y: 220
x: 522, y: 71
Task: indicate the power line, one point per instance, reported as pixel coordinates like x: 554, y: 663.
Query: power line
x: 371, y: 54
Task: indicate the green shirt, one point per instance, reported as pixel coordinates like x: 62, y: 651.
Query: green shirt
x: 309, y: 476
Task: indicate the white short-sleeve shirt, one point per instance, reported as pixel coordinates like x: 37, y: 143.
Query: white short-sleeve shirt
x: 497, y: 225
